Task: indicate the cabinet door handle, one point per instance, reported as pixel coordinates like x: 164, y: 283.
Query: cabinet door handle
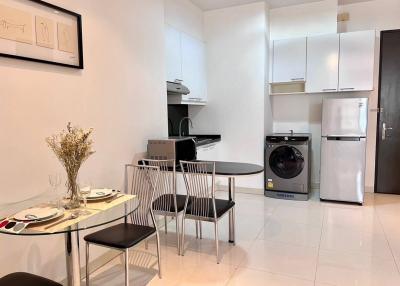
x: 329, y: 89
x: 177, y: 80
x: 347, y: 88
x: 297, y: 79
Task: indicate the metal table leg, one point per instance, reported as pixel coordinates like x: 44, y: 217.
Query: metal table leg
x: 231, y: 186
x: 73, y: 259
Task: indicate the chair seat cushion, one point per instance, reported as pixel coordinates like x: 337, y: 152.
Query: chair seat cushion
x: 121, y: 236
x: 166, y: 203
x: 25, y: 279
x: 198, y: 204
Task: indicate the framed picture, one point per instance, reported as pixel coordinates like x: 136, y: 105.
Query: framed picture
x: 38, y: 31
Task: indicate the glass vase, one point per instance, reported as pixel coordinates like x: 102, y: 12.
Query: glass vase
x: 74, y: 200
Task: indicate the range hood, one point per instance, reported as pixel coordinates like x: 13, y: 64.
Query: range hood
x: 177, y: 88
x: 177, y: 93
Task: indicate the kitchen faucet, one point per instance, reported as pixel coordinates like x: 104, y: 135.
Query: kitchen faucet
x: 180, y: 124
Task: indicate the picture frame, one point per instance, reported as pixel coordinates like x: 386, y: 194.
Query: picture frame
x: 35, y: 30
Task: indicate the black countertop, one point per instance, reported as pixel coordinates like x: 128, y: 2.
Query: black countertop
x: 202, y: 139
x: 205, y: 139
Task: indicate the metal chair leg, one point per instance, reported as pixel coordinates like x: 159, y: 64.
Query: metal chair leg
x: 201, y: 230
x: 216, y: 240
x: 234, y: 226
x: 165, y: 224
x: 146, y: 244
x: 178, y: 239
x: 183, y: 236
x: 158, y: 254
x: 87, y: 264
x: 126, y: 267
x: 197, y: 228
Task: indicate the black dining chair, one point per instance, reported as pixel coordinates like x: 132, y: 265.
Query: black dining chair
x: 167, y: 202
x: 142, y: 182
x: 203, y: 204
x: 25, y: 279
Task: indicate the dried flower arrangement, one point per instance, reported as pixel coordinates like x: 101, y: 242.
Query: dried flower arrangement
x: 72, y: 147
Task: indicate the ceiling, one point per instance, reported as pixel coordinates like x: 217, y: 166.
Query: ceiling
x: 218, y: 4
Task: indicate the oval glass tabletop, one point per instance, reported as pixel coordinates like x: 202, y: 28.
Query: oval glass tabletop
x: 96, y: 213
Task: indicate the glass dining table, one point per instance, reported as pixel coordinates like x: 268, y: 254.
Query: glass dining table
x: 69, y: 223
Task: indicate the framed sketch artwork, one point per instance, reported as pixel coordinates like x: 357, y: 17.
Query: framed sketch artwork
x: 38, y: 31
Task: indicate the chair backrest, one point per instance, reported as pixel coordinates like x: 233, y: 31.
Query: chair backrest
x: 165, y: 194
x: 142, y: 182
x: 201, y: 190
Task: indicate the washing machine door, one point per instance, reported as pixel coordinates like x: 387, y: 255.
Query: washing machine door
x: 286, y: 162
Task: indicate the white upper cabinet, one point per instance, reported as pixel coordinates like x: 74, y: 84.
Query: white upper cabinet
x: 173, y: 54
x: 289, y: 60
x: 193, y: 68
x: 186, y: 62
x: 356, y: 61
x: 322, y: 63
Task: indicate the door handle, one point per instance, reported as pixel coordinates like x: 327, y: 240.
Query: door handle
x: 384, y: 129
x: 379, y: 110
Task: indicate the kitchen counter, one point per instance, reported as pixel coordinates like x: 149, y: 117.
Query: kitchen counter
x: 202, y: 139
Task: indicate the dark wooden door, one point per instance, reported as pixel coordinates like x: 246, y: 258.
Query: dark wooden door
x: 387, y: 173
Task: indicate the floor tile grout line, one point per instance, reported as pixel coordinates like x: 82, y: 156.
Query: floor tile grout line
x: 254, y: 240
x: 251, y: 245
x: 277, y: 273
x: 273, y: 273
x: 319, y: 246
x: 387, y: 241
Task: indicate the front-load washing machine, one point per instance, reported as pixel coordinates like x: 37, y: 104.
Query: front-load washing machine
x: 287, y: 166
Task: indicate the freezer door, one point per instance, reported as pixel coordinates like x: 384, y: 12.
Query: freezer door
x: 343, y: 169
x: 344, y: 117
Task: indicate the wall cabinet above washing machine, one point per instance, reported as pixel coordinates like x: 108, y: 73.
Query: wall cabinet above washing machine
x: 323, y: 63
x: 332, y: 63
x: 289, y: 60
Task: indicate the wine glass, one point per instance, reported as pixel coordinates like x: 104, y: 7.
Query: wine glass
x: 84, y: 190
x: 55, y: 182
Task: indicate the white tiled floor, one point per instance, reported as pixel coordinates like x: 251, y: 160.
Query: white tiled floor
x: 280, y: 243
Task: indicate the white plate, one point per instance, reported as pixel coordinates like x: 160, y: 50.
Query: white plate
x: 99, y: 193
x: 102, y: 198
x: 60, y: 212
x: 36, y: 214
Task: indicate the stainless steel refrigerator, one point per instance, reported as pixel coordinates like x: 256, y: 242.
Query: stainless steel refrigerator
x: 343, y: 149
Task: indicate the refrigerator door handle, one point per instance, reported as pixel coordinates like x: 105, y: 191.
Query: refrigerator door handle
x: 339, y: 138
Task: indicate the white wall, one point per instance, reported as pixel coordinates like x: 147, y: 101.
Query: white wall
x: 184, y: 16
x: 372, y: 15
x: 303, y: 20
x: 121, y: 93
x: 236, y: 55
